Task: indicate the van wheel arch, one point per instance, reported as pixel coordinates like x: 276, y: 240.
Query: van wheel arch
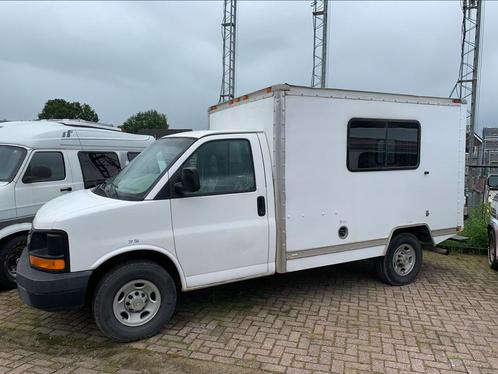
x: 7, y: 280
x: 13, y: 235
x: 421, y: 232
x: 150, y: 255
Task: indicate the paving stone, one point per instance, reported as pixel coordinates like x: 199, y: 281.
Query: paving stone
x: 337, y: 319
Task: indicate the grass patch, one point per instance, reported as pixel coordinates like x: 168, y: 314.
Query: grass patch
x: 476, y: 229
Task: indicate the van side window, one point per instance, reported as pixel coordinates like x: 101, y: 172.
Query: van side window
x: 225, y: 166
x: 45, y: 167
x: 383, y: 144
x: 98, y: 166
x: 132, y: 155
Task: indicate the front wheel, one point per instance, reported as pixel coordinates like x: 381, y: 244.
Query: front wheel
x: 402, y: 262
x: 134, y: 301
x: 10, y: 252
x: 493, y: 263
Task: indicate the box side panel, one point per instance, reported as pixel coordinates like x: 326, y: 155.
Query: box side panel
x: 322, y: 194
x: 252, y: 116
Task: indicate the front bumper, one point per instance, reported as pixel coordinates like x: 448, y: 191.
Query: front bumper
x: 50, y: 291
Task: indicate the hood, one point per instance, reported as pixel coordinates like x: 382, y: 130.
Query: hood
x: 75, y: 204
x: 3, y: 184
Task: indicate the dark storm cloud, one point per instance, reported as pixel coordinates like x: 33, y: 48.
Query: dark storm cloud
x: 126, y: 57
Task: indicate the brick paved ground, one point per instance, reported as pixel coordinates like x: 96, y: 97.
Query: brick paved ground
x: 335, y: 319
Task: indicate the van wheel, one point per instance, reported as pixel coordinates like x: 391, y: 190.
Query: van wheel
x: 9, y: 256
x: 493, y: 263
x: 134, y: 301
x: 402, y: 262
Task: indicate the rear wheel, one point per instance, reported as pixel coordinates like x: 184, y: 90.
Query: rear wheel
x: 10, y: 252
x: 134, y: 301
x: 493, y: 263
x: 402, y: 262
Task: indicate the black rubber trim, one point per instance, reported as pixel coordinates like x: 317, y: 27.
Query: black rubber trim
x: 13, y: 221
x: 50, y: 291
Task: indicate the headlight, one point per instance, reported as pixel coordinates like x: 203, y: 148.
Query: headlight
x: 49, y: 251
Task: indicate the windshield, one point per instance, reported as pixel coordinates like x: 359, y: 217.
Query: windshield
x: 11, y: 159
x: 140, y: 175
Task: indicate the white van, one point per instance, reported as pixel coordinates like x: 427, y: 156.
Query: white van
x: 41, y: 160
x: 288, y: 178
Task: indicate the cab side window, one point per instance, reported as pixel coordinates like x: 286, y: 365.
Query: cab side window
x: 132, y: 155
x: 98, y: 166
x: 45, y: 167
x: 224, y: 166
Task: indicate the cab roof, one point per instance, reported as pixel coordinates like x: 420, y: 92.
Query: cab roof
x: 202, y: 133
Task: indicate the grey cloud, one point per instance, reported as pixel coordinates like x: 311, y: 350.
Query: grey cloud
x: 131, y: 56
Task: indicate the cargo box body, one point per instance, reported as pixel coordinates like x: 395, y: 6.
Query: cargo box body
x: 326, y: 211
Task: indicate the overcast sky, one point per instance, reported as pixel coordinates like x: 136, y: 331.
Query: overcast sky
x: 125, y: 57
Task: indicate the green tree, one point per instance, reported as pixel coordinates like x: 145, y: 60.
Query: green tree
x: 62, y: 109
x: 150, y: 119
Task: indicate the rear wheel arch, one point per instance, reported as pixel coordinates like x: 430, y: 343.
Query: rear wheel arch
x: 421, y: 232
x: 140, y: 254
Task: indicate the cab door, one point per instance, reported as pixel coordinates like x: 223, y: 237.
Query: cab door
x: 221, y: 230
x: 46, y: 177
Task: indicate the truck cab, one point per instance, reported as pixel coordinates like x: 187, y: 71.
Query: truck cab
x: 186, y: 202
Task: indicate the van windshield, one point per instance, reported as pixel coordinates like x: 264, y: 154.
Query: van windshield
x: 11, y: 159
x: 141, y: 174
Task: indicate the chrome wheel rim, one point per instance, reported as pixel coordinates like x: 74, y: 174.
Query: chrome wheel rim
x: 491, y: 248
x: 136, y: 303
x: 12, y: 259
x: 404, y: 259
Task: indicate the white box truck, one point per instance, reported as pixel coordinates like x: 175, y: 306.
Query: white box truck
x: 287, y: 178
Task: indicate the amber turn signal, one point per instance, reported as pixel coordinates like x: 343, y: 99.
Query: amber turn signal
x: 47, y: 263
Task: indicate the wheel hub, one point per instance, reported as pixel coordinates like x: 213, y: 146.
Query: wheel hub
x: 136, y: 303
x: 404, y: 259
x: 12, y: 259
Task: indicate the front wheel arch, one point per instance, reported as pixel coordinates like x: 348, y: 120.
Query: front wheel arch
x: 7, y: 280
x: 140, y: 254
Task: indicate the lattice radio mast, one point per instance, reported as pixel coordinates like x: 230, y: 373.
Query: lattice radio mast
x: 320, y: 31
x: 228, y: 31
x: 467, y: 86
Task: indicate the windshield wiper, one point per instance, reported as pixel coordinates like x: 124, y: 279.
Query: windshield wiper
x: 111, y: 190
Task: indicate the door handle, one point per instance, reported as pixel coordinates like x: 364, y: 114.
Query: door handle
x: 261, y: 206
x: 68, y: 189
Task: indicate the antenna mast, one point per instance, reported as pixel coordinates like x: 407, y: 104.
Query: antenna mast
x: 320, y: 31
x: 228, y: 34
x: 467, y: 85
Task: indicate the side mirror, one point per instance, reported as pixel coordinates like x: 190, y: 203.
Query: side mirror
x: 38, y: 173
x: 493, y: 182
x: 190, y: 181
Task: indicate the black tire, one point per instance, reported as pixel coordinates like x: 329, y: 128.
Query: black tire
x: 493, y: 263
x: 407, y: 246
x: 106, y: 296
x: 10, y: 252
